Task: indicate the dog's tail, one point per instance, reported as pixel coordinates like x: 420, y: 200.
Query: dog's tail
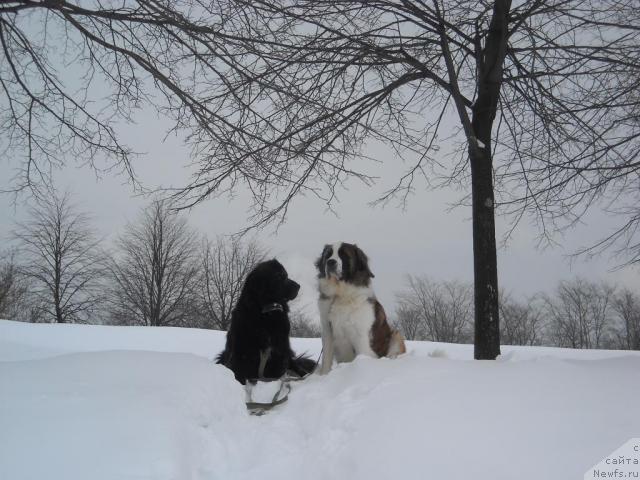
x: 302, y: 365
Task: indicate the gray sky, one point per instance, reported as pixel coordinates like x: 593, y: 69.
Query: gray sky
x: 427, y: 238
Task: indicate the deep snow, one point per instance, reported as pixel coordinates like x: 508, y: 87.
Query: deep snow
x: 79, y: 402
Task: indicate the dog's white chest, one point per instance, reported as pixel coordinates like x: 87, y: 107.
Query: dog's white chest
x: 351, y: 323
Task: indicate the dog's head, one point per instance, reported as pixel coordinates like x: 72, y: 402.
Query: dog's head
x: 345, y: 262
x: 269, y: 283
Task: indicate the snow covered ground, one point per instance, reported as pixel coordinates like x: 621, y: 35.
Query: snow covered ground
x: 92, y: 402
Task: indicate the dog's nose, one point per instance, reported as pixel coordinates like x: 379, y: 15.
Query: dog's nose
x: 332, y: 264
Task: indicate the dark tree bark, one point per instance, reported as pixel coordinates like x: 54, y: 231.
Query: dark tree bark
x: 489, y: 61
x: 485, y: 262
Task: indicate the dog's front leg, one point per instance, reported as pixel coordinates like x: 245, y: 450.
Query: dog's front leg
x: 327, y: 337
x: 327, y: 352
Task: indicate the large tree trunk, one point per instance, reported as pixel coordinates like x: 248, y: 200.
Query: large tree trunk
x: 490, y: 60
x: 487, y: 326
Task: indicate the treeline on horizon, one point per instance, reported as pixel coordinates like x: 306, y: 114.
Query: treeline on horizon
x: 161, y: 272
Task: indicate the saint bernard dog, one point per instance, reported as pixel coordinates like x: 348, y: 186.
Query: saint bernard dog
x: 352, y: 319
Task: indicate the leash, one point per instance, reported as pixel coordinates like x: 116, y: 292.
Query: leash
x: 280, y: 397
x: 319, y: 358
x: 259, y: 408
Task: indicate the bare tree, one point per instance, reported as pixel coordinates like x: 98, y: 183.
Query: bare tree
x: 302, y: 326
x: 409, y: 321
x: 282, y: 96
x: 13, y: 288
x: 331, y: 75
x: 155, y: 269
x: 445, y: 309
x: 521, y: 323
x: 225, y: 266
x: 580, y: 314
x: 142, y: 53
x: 627, y: 308
x: 61, y: 259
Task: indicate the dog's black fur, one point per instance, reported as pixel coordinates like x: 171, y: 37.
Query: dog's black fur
x: 257, y: 328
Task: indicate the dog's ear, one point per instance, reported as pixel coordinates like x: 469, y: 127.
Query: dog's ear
x: 253, y: 290
x: 251, y: 284
x: 320, y: 261
x: 362, y: 262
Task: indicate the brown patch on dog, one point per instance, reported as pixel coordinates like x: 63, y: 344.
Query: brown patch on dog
x: 357, y: 271
x: 380, y: 335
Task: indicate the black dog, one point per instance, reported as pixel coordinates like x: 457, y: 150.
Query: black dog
x: 258, y: 338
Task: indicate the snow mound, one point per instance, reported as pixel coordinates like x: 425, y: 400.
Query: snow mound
x: 80, y: 402
x: 111, y: 415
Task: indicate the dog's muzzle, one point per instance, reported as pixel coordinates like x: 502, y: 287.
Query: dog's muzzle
x: 331, y: 267
x: 293, y: 288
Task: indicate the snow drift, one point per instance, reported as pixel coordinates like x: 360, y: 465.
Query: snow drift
x: 80, y: 402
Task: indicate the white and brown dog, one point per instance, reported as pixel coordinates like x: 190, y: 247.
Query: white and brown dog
x: 353, y: 321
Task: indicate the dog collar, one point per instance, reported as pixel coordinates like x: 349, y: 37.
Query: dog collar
x: 272, y: 307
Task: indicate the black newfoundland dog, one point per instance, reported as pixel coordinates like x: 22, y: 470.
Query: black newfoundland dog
x: 258, y: 339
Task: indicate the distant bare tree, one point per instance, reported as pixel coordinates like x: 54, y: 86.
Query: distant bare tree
x: 445, y: 309
x: 521, y: 322
x: 580, y: 314
x: 155, y: 270
x: 225, y: 265
x: 61, y: 259
x: 13, y: 288
x: 409, y: 321
x: 302, y: 326
x: 627, y: 308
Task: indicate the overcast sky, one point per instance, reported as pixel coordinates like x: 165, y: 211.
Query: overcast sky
x: 426, y: 238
